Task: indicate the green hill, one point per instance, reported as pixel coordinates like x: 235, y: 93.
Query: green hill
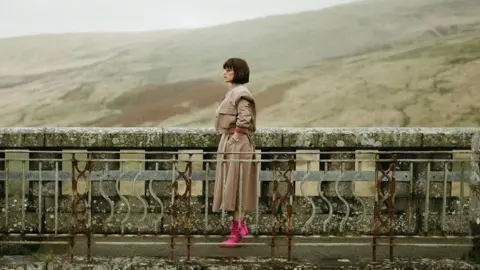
x: 387, y: 62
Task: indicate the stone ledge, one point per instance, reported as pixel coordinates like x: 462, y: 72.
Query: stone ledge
x: 384, y: 137
x: 449, y: 137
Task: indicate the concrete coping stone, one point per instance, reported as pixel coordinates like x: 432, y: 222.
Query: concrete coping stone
x: 271, y: 137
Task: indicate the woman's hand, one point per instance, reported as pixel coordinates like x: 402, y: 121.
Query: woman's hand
x: 236, y: 135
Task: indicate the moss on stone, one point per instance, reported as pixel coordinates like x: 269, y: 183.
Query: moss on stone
x: 369, y: 137
x: 300, y: 137
x: 21, y: 137
x: 448, y: 137
x: 264, y: 137
x: 74, y: 137
x: 268, y: 138
x: 189, y: 137
x: 133, y: 137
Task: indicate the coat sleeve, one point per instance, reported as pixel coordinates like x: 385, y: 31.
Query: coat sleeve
x: 244, y: 115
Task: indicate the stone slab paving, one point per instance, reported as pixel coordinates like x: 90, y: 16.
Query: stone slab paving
x: 154, y: 256
x: 102, y: 263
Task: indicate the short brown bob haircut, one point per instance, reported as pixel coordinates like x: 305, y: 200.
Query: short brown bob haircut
x: 241, y: 71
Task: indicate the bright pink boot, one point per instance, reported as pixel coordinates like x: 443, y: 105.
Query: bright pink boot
x: 233, y: 238
x: 243, y: 230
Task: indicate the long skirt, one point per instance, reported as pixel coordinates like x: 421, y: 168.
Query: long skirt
x: 227, y: 174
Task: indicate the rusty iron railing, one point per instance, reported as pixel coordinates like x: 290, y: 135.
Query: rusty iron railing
x: 166, y: 212
x: 384, y: 199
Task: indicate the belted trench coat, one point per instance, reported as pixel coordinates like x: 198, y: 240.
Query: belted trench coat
x: 236, y: 111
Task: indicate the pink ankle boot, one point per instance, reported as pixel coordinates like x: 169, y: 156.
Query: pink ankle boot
x: 243, y: 230
x: 233, y: 238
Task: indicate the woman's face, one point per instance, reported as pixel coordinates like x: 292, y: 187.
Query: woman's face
x: 228, y: 75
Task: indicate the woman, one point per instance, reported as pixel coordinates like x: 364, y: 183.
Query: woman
x: 235, y: 122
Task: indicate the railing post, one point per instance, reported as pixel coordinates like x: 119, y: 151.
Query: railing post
x: 384, y: 198
x: 364, y: 189
x: 282, y: 202
x: 16, y: 189
x: 306, y: 190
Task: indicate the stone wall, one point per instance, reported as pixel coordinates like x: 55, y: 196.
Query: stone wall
x: 341, y: 207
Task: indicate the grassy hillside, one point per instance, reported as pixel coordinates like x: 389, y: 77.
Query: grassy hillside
x: 390, y: 62
x: 433, y: 84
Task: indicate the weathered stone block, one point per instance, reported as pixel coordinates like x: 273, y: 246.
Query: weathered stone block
x: 347, y: 162
x: 164, y: 188
x: 161, y: 188
x: 156, y: 207
x: 132, y: 204
x: 265, y: 137
x: 462, y: 163
x: 14, y: 203
x: 132, y: 188
x: 16, y: 224
x: 21, y: 137
x: 132, y: 160
x: 268, y: 138
x: 456, y: 224
x: 405, y: 223
x: 64, y: 204
x: 280, y: 191
x: 67, y: 157
x: 138, y: 165
x: 370, y: 137
x: 344, y: 189
x: 365, y: 188
x: 303, y: 205
x: 134, y: 223
x: 187, y: 137
x: 44, y: 161
x: 300, y: 137
x: 402, y: 190
x: 307, y: 160
x: 17, y: 160
x: 365, y: 161
x: 310, y: 188
x: 420, y: 176
x: 459, y: 190
x: 48, y: 188
x: 434, y: 205
x: 456, y: 217
x: 100, y: 163
x: 133, y: 137
x: 107, y: 186
x: 81, y: 155
x: 436, y: 189
x: 163, y: 160
x: 63, y: 223
x: 452, y: 137
x: 211, y: 188
x: 183, y: 206
x: 74, y: 137
x: 196, y: 188
x: 184, y: 213
x: 196, y: 157
x: 66, y: 187
x: 102, y: 205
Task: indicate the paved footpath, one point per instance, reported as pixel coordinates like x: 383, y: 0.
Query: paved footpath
x: 151, y: 255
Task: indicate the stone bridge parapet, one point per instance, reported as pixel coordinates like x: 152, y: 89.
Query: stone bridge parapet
x: 129, y: 181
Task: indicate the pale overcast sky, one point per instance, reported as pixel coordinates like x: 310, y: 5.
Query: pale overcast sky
x: 27, y: 17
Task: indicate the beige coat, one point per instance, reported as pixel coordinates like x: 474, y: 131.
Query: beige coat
x: 237, y: 111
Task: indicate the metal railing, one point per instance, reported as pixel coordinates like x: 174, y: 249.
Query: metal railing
x: 377, y: 195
